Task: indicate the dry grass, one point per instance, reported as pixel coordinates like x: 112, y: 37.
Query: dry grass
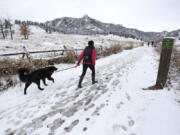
x: 174, y: 72
x: 70, y: 55
x: 142, y: 44
x: 10, y: 66
x: 176, y: 59
x: 128, y: 47
x: 112, y: 50
x: 7, y: 82
x: 158, y: 47
x: 115, y: 49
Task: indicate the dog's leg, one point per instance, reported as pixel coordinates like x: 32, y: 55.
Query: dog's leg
x: 26, y: 86
x: 38, y: 84
x: 50, y: 78
x: 44, y: 81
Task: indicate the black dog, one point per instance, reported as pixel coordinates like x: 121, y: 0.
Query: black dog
x: 36, y: 76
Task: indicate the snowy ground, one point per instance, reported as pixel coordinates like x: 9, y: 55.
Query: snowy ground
x: 117, y: 105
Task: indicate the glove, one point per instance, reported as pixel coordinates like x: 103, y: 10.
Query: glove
x: 77, y: 64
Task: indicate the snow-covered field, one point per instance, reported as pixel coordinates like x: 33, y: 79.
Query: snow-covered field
x: 116, y: 105
x: 39, y: 40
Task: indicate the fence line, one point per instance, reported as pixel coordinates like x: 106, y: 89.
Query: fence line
x: 34, y: 52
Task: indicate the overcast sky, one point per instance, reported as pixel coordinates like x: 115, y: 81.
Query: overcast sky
x: 146, y: 15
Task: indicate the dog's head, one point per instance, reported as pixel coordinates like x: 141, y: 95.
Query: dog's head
x: 52, y: 68
x: 23, y: 71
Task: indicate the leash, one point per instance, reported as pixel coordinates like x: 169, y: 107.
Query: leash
x: 66, y: 68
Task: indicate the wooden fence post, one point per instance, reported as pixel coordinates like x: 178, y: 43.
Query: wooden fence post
x: 167, y: 46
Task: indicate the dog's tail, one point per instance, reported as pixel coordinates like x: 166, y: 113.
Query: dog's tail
x: 23, y: 74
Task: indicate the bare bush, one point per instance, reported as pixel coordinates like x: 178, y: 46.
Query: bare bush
x: 112, y: 50
x: 176, y: 59
x: 7, y: 82
x: 2, y: 29
x: 10, y: 66
x: 70, y: 55
x: 142, y: 44
x: 25, y: 31
x: 128, y: 47
x: 174, y: 73
x: 115, y: 49
x: 158, y: 47
x: 7, y: 66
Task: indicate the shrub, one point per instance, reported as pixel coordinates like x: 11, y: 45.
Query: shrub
x: 128, y: 47
x: 70, y: 55
x: 25, y: 31
x: 158, y: 47
x: 112, y: 50
x: 174, y: 72
x: 10, y: 66
x: 115, y: 49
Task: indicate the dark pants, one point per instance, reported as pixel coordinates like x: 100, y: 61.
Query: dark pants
x: 85, y: 67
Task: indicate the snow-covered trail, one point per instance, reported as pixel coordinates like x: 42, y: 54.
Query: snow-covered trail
x: 116, y: 105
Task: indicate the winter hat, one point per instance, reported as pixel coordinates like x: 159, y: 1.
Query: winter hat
x: 91, y: 43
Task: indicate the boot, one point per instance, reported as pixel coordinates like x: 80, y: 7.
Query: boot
x: 80, y: 81
x: 93, y: 80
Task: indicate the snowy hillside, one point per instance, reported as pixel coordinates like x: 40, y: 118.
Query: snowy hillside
x: 89, y: 26
x: 116, y: 105
x: 39, y: 40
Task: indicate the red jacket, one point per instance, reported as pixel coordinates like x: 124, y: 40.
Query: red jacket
x: 93, y: 52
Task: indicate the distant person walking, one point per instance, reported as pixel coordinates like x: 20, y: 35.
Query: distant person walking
x: 152, y: 43
x: 89, y: 59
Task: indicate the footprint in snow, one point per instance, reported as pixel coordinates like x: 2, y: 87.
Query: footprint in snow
x: 9, y: 132
x: 96, y: 112
x: 124, y: 127
x: 21, y: 132
x: 71, y: 126
x: 115, y: 83
x: 116, y: 127
x: 132, y: 134
x: 55, y: 124
x: 118, y: 106
x: 89, y: 107
x: 51, y: 133
x: 128, y: 97
x: 87, y: 119
x: 131, y: 122
x: 85, y: 128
